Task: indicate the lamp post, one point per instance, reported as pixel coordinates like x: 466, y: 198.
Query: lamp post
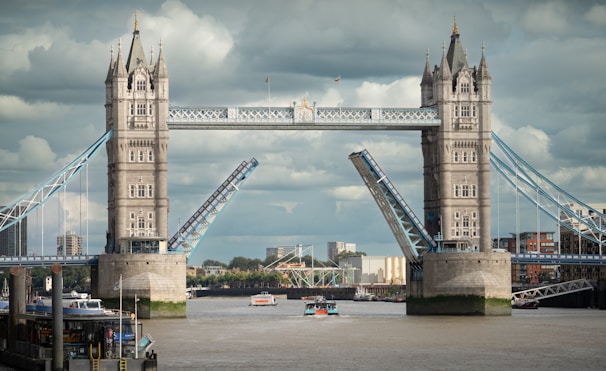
x: 136, y: 330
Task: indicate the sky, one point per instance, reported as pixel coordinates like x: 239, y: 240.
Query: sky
x: 548, y: 84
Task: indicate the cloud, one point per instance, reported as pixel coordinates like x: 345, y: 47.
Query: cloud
x: 547, y: 19
x: 597, y: 15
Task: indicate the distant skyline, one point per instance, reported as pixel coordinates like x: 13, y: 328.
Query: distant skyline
x: 548, y: 88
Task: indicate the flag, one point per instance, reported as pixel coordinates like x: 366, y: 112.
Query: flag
x: 118, y: 284
x: 338, y: 78
x: 267, y: 79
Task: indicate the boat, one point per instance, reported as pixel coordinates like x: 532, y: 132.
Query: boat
x: 524, y: 304
x: 363, y: 295
x: 263, y: 299
x: 74, y: 303
x: 321, y: 306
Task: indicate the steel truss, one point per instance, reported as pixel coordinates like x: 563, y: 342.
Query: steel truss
x: 188, y: 237
x: 413, y: 238
x: 22, y: 207
x: 553, y: 290
x: 556, y: 203
x: 302, y: 117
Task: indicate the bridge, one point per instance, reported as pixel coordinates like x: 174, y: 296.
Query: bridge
x: 456, y: 140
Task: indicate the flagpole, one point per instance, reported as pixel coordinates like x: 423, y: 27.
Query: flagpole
x: 268, y: 81
x: 120, y: 339
x: 338, y: 81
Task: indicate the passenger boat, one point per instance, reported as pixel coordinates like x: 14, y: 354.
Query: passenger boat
x: 73, y: 304
x: 321, y: 306
x: 263, y: 299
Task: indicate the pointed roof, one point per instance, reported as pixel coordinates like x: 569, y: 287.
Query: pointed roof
x: 136, y: 54
x: 427, y: 78
x: 444, y: 72
x: 160, y: 70
x: 110, y: 70
x: 119, y: 69
x: 456, y: 56
x: 483, y: 72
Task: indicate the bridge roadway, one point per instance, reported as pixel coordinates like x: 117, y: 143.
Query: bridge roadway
x: 93, y: 260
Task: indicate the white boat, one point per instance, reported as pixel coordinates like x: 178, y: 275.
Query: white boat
x: 263, y: 299
x: 73, y: 304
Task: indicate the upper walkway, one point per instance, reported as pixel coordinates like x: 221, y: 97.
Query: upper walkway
x: 302, y: 117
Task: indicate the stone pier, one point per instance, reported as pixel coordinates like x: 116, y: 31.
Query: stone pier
x: 461, y: 284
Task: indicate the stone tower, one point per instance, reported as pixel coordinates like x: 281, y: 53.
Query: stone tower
x: 457, y: 154
x: 464, y: 276
x: 136, y: 109
x: 136, y: 105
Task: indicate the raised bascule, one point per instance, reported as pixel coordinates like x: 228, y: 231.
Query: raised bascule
x: 462, y: 276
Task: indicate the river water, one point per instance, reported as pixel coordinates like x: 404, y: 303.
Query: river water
x: 227, y: 334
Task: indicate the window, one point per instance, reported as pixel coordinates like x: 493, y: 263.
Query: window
x: 132, y: 216
x: 457, y: 215
x: 473, y: 110
x: 149, y: 111
x: 150, y: 155
x: 132, y: 192
x: 141, y: 193
x: 473, y: 191
x: 464, y: 111
x: 141, y: 223
x: 141, y: 156
x: 140, y: 85
x: 464, y: 87
x: 474, y: 215
x: 150, y: 215
x: 456, y: 190
x: 465, y: 222
x: 131, y: 156
x: 456, y: 156
x: 132, y: 109
x: 455, y: 111
x: 473, y: 156
x: 150, y: 191
x: 465, y: 190
x: 140, y: 109
x: 464, y: 156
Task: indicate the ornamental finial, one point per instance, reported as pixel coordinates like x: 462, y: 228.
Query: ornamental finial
x: 455, y: 28
x: 136, y: 22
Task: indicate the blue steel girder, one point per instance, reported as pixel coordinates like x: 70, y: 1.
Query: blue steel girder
x: 188, y: 238
x: 409, y: 232
x: 23, y: 206
x: 301, y: 117
x: 528, y: 182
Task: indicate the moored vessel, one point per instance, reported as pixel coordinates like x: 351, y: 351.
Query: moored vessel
x: 263, y: 299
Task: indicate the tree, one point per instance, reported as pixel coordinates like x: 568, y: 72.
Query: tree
x: 343, y: 255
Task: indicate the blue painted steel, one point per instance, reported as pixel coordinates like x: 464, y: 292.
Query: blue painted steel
x: 20, y: 208
x: 413, y: 238
x: 517, y: 175
x: 555, y: 259
x: 188, y: 238
x: 48, y: 261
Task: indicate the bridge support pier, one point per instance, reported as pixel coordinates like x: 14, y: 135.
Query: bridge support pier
x: 461, y: 284
x: 158, y: 280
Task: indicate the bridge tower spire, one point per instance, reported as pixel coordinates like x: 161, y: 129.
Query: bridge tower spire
x: 457, y: 153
